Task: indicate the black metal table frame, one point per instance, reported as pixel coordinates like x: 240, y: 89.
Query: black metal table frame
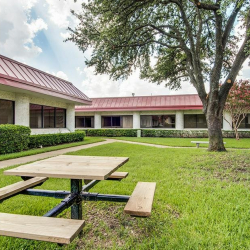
x: 74, y: 198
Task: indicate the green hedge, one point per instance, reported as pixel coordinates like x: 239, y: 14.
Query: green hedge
x: 189, y: 133
x: 160, y: 133
x: 174, y: 133
x: 13, y: 138
x: 111, y: 132
x: 46, y: 140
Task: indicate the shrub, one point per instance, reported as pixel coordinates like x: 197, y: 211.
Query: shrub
x: 13, y: 138
x: 55, y: 139
x: 112, y: 132
x: 174, y: 133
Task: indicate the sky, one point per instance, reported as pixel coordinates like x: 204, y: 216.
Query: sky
x: 33, y: 32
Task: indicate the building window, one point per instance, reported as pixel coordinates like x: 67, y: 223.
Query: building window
x: 36, y: 116
x: 47, y: 117
x: 245, y: 122
x: 84, y: 121
x: 195, y: 121
x: 60, y: 118
x: 111, y: 121
x: 6, y: 112
x: 157, y: 121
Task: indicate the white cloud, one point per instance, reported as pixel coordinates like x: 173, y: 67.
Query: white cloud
x: 65, y: 35
x: 102, y: 86
x: 37, y: 25
x: 60, y: 14
x: 62, y: 75
x: 18, y: 29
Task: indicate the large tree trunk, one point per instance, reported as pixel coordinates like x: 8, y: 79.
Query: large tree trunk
x: 214, y: 121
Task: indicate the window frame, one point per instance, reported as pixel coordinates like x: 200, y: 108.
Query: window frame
x: 13, y: 110
x: 54, y: 120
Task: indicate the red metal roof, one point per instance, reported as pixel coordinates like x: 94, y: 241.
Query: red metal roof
x: 140, y: 103
x: 19, y: 75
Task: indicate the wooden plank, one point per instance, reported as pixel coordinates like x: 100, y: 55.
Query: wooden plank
x: 141, y: 200
x: 71, y: 166
x: 57, y: 230
x: 20, y: 186
x: 118, y: 175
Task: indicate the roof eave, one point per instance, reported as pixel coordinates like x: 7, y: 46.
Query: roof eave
x: 156, y: 108
x: 7, y: 81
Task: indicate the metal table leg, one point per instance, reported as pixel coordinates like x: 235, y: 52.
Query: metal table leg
x: 76, y: 208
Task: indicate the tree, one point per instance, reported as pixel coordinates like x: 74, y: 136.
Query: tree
x: 190, y: 40
x: 238, y: 104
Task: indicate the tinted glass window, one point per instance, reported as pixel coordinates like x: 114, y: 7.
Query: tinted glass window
x: 84, y: 121
x: 36, y: 120
x: 112, y: 121
x: 6, y: 112
x: 245, y: 122
x: 48, y: 117
x: 60, y: 118
x: 157, y: 121
x: 195, y: 121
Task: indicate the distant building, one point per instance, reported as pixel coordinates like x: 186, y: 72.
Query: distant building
x: 36, y: 99
x: 46, y: 104
x: 151, y: 112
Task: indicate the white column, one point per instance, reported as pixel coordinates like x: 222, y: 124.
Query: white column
x: 70, y: 117
x: 179, y: 120
x: 98, y: 121
x: 22, y: 110
x: 227, y: 124
x: 136, y: 120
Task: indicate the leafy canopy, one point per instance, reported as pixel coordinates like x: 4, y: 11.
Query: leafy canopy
x: 238, y: 103
x: 168, y: 40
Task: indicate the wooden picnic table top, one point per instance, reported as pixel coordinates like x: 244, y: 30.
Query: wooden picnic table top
x: 71, y: 167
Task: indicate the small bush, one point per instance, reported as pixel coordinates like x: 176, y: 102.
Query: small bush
x: 54, y: 139
x: 112, y: 132
x: 13, y: 138
x: 174, y: 133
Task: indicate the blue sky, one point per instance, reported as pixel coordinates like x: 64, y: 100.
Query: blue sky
x: 33, y: 32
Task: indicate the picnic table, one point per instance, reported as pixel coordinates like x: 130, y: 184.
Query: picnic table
x: 91, y: 170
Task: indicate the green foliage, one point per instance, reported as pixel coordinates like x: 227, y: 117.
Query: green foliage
x: 180, y: 34
x: 112, y: 132
x: 46, y: 140
x: 87, y: 140
x: 13, y: 138
x: 238, y: 104
x: 170, y: 42
x: 201, y: 202
x: 175, y: 133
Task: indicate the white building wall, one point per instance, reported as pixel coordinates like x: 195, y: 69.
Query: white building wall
x: 227, y: 121
x: 136, y: 120
x: 7, y: 95
x: 98, y: 121
x: 70, y: 117
x: 22, y: 110
x: 22, y: 107
x: 179, y: 120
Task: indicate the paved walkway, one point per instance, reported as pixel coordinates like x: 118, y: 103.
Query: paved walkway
x: 26, y: 159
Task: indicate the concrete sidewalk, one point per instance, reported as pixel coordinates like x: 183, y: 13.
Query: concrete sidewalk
x: 25, y: 159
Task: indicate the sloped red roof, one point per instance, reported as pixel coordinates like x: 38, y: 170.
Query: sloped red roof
x: 19, y: 75
x: 140, y: 103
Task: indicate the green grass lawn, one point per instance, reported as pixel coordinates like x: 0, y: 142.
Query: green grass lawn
x: 87, y: 140
x: 201, y: 202
x: 186, y: 142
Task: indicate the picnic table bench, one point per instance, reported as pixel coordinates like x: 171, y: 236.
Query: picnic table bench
x: 201, y: 142
x: 76, y: 168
